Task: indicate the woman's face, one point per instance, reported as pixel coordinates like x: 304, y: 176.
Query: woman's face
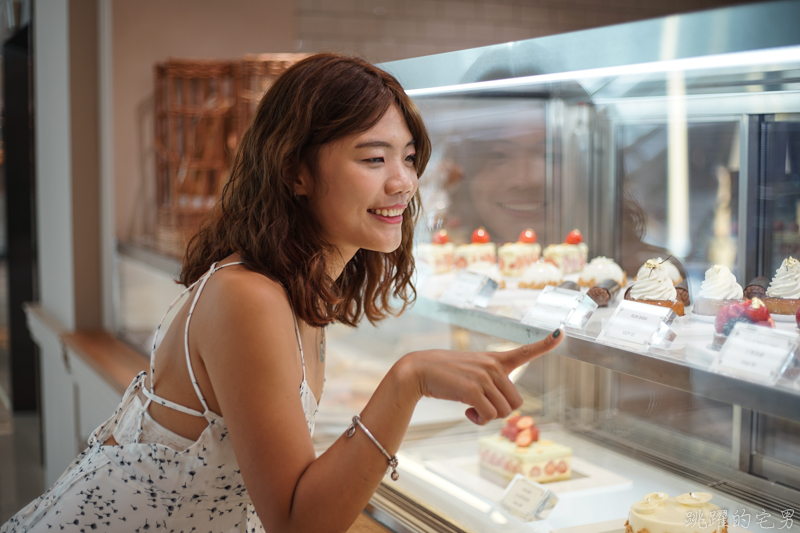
x: 506, y: 184
x: 365, y: 183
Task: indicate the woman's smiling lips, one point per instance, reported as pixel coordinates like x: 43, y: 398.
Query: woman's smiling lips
x: 391, y: 215
x: 522, y: 209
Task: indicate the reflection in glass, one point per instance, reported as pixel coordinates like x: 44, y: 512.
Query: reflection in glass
x: 488, y: 168
x: 713, y: 194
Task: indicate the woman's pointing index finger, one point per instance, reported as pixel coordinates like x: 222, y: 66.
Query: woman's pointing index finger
x: 519, y: 356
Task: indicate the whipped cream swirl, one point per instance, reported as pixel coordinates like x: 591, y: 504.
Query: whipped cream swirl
x: 669, y: 267
x: 786, y: 282
x: 720, y: 284
x: 653, y: 283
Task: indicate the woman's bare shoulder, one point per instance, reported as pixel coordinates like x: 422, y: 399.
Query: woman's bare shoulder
x: 241, y: 304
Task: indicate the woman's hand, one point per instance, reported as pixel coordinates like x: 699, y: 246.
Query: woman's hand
x: 478, y: 379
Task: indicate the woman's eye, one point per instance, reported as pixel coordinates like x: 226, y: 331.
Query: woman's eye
x: 412, y: 158
x: 374, y: 160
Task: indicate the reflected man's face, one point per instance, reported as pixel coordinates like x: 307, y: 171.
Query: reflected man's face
x: 505, y: 180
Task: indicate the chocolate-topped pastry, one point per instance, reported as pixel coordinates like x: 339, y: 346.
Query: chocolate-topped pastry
x: 571, y: 285
x: 757, y: 288
x: 604, y: 292
x: 682, y: 290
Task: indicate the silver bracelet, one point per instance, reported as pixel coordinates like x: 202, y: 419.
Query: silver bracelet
x: 391, y: 458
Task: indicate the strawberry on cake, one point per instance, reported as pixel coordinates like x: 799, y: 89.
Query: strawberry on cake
x: 518, y: 450
x: 481, y: 249
x: 437, y: 254
x: 515, y: 257
x: 571, y: 255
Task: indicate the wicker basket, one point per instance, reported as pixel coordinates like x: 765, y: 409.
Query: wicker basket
x: 201, y: 110
x: 254, y: 75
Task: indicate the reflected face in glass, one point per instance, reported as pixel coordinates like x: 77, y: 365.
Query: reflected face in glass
x: 506, y: 183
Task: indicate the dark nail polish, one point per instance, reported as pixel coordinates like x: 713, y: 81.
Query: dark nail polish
x: 556, y: 333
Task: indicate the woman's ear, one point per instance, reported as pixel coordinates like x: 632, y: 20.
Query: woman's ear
x: 303, y: 184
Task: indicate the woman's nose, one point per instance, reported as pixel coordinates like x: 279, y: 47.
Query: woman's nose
x: 402, y: 180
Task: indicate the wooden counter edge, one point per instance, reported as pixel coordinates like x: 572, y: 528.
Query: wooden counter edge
x: 366, y: 524
x: 114, y: 360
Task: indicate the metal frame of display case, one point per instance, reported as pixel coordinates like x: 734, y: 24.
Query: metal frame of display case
x: 545, y: 69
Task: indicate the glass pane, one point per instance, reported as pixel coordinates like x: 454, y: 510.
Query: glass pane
x: 686, y: 413
x: 781, y: 209
x: 684, y: 204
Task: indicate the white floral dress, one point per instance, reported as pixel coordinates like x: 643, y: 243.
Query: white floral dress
x: 142, y: 486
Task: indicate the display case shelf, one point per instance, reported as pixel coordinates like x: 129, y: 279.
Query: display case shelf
x: 782, y: 400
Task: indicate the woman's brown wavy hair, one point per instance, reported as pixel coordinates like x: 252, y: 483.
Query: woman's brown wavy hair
x: 318, y: 100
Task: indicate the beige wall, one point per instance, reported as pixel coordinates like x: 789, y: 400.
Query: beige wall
x: 145, y: 32
x: 384, y: 30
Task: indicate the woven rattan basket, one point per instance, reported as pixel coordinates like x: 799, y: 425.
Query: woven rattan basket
x: 201, y: 110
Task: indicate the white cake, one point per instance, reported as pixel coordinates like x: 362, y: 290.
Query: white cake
x: 600, y: 269
x: 438, y: 256
x: 467, y: 254
x: 568, y: 257
x: 515, y: 257
x: 692, y: 512
x: 539, y: 275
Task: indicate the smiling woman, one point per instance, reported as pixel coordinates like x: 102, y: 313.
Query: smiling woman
x: 315, y: 226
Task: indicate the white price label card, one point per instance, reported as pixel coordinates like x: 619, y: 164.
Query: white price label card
x: 557, y: 306
x: 469, y: 286
x: 638, y: 326
x: 756, y: 353
x: 526, y: 498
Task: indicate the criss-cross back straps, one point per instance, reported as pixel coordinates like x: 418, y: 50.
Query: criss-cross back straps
x: 150, y: 394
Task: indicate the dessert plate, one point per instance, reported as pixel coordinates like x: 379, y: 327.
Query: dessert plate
x: 587, y: 478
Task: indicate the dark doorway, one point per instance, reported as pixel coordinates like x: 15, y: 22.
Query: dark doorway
x: 20, y: 215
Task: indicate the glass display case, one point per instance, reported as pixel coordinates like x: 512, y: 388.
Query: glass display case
x: 672, y: 138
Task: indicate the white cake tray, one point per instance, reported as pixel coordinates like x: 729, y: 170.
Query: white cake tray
x: 587, y: 478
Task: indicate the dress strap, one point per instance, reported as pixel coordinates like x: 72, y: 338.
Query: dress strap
x: 149, y: 392
x: 207, y: 413
x: 300, y: 344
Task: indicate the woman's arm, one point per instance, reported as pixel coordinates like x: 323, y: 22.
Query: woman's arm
x: 249, y: 352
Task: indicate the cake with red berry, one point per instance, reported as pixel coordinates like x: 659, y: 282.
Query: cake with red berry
x: 480, y: 249
x: 437, y: 254
x: 519, y: 450
x: 515, y: 257
x: 571, y: 255
x: 747, y: 312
